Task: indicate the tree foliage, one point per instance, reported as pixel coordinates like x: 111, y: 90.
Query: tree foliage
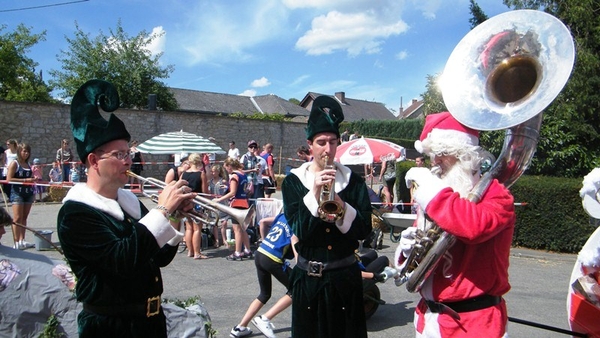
x: 569, y: 142
x: 125, y: 61
x: 477, y: 14
x: 432, y: 97
x: 19, y: 80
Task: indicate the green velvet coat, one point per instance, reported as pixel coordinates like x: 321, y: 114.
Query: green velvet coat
x: 331, y: 305
x: 115, y: 262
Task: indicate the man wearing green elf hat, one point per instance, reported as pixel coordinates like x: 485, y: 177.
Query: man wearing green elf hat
x: 328, y: 208
x: 114, y: 245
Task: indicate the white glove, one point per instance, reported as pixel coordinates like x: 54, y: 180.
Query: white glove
x: 591, y: 183
x: 428, y: 184
x: 407, y: 240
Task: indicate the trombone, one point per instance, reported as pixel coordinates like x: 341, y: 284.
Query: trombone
x: 242, y: 216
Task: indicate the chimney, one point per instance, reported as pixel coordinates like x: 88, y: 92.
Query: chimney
x: 341, y: 96
x: 151, y: 101
x: 414, y: 101
x: 401, y: 110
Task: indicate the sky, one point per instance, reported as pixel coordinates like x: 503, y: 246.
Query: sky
x: 373, y: 50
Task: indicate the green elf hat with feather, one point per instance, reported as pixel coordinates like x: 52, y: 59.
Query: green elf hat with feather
x: 325, y: 117
x: 90, y: 129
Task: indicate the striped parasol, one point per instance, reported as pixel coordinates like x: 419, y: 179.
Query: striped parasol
x: 179, y: 142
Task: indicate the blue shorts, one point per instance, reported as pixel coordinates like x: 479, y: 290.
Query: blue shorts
x: 17, y: 198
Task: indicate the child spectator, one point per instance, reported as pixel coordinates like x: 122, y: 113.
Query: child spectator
x: 36, y: 171
x: 56, y: 172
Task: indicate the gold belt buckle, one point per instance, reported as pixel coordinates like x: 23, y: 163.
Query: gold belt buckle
x: 153, y: 306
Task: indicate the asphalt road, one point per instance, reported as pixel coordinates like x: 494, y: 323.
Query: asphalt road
x: 539, y: 287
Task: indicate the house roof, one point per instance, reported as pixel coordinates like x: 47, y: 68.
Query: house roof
x: 219, y: 103
x: 415, y: 110
x: 354, y: 110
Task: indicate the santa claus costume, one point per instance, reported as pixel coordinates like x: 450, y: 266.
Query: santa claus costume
x: 462, y: 297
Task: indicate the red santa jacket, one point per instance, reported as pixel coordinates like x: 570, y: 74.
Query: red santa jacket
x: 479, y: 258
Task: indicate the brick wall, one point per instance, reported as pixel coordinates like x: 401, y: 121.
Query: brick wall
x: 43, y: 126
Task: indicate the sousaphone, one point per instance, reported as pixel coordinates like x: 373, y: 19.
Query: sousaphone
x: 501, y: 75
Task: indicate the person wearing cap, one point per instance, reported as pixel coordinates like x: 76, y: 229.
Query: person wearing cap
x: 113, y: 244
x: 463, y: 295
x: 326, y: 282
x: 250, y: 164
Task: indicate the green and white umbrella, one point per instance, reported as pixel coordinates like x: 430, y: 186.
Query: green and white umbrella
x: 179, y: 142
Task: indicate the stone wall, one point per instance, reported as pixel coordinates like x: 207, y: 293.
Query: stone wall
x: 43, y: 126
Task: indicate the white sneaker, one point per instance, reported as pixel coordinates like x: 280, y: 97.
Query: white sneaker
x: 27, y: 245
x: 239, y: 332
x: 264, y: 325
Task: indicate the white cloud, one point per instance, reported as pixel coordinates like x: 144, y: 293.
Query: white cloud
x: 222, y: 33
x: 158, y: 44
x: 248, y: 92
x: 428, y: 8
x: 262, y: 82
x: 354, y: 32
x: 401, y: 55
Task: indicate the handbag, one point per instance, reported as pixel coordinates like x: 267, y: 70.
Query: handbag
x: 239, y: 203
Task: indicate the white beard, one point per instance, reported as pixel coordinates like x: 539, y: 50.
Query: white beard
x: 460, y: 180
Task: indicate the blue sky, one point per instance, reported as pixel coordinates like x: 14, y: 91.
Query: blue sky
x: 374, y: 50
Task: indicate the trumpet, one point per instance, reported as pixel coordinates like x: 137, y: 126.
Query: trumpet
x: 242, y: 216
x: 329, y: 209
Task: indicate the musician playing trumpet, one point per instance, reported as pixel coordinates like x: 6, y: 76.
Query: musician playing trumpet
x: 113, y: 244
x: 463, y: 295
x: 328, y: 208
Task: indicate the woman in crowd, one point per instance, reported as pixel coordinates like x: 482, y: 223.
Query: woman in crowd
x: 175, y: 173
x: 136, y: 166
x: 218, y: 186
x: 196, y: 177
x: 10, y: 154
x: 388, y: 173
x: 21, y: 195
x: 239, y: 199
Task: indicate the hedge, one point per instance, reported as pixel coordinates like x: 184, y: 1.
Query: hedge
x: 553, y: 218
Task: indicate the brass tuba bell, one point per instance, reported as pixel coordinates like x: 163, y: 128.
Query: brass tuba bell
x: 501, y: 75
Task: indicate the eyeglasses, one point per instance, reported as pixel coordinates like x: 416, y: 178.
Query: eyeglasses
x: 252, y: 147
x: 119, y: 155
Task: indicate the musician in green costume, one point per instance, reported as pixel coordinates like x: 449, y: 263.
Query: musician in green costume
x: 113, y: 244
x: 326, y: 282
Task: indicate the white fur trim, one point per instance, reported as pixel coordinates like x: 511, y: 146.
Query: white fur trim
x: 158, y: 225
x: 311, y: 203
x: 126, y: 200
x: 419, y: 146
x: 452, y: 136
x: 156, y: 222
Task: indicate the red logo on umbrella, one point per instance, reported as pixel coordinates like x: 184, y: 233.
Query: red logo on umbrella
x: 357, y: 150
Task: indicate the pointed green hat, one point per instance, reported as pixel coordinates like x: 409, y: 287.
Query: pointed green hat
x: 321, y: 121
x: 90, y: 129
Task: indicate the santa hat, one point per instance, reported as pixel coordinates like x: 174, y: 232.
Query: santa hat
x: 444, y: 128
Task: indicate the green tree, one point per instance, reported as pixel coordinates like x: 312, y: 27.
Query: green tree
x: 432, y: 98
x: 125, y: 61
x: 294, y: 101
x: 477, y: 14
x: 19, y: 80
x: 569, y: 139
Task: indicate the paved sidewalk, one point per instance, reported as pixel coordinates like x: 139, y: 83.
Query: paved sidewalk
x: 539, y: 287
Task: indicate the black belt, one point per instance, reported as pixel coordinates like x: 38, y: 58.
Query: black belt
x: 467, y: 305
x: 316, y: 269
x: 150, y: 308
